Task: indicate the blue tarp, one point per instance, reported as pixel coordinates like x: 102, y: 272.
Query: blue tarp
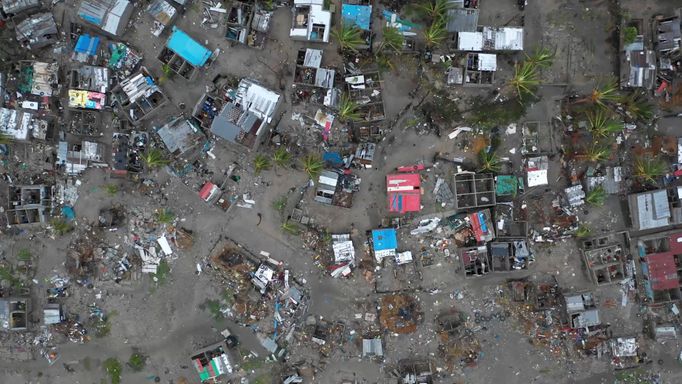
x: 332, y: 158
x: 67, y: 211
x: 187, y: 48
x: 359, y: 15
x: 403, y: 25
x: 87, y: 44
x: 384, y: 239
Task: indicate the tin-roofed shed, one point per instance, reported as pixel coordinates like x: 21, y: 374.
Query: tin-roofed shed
x: 110, y: 16
x: 187, y: 48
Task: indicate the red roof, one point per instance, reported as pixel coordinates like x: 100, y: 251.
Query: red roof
x: 675, y: 241
x: 662, y: 271
x: 404, y: 192
x: 205, y: 191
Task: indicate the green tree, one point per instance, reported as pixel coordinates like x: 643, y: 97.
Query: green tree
x: 282, y: 157
x: 596, y: 153
x: 61, y: 226
x: 154, y: 158
x: 489, y: 162
x: 629, y: 35
x: 649, y: 169
x: 638, y: 107
x: 349, y: 37
x: 313, y: 166
x: 605, y: 93
x: 280, y: 205
x: 602, y: 124
x: 525, y: 79
x: 597, y: 196
x: 435, y: 9
x: 290, y: 228
x: 583, y: 231
x: 113, y: 368
x: 137, y: 361
x: 436, y: 33
x: 392, y: 41
x: 348, y: 109
x: 111, y: 189
x: 261, y: 163
x: 541, y: 57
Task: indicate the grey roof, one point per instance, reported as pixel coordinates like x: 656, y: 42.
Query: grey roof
x: 109, y: 15
x: 650, y: 209
x: 462, y: 20
x: 178, y: 135
x: 669, y: 35
x: 37, y: 31
x: 13, y: 7
x: 589, y: 318
x: 372, y: 347
x: 261, y: 21
x: 231, y: 121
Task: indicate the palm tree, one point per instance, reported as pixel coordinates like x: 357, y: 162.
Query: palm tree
x: 541, y: 57
x: 435, y: 9
x: 649, y: 169
x: 601, y: 123
x: 583, y: 231
x: 435, y: 33
x: 313, y: 165
x: 348, y: 109
x: 606, y: 93
x: 384, y: 62
x: 261, y: 163
x: 282, y: 157
x: 525, y: 79
x: 596, y: 196
x: 393, y: 40
x: 153, y: 158
x: 490, y: 162
x: 290, y: 228
x: 597, y: 153
x: 638, y: 107
x: 60, y: 226
x: 164, y: 216
x: 349, y: 37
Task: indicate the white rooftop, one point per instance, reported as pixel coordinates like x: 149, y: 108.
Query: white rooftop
x: 487, y: 62
x: 470, y: 41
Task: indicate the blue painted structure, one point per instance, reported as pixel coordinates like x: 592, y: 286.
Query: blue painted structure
x: 384, y: 239
x: 358, y: 15
x: 187, y: 48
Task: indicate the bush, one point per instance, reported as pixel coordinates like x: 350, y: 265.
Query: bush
x: 137, y: 361
x: 629, y: 35
x: 113, y: 368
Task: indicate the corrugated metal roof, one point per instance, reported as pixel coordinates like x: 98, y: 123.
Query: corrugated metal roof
x: 462, y: 20
x: 662, y: 271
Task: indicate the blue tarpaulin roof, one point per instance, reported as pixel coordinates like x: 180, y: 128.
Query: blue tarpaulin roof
x: 187, y: 48
x: 87, y: 44
x: 384, y: 239
x: 359, y: 15
x: 332, y: 158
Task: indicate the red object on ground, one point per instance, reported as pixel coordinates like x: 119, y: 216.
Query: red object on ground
x: 404, y: 192
x: 205, y: 191
x: 412, y: 168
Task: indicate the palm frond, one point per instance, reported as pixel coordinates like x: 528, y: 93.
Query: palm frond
x: 638, y: 107
x: 349, y: 37
x: 393, y: 40
x: 606, y: 93
x: 282, y: 157
x: 602, y: 124
x: 597, y: 153
x: 649, y: 169
x: 154, y: 158
x: 348, y: 109
x: 596, y: 196
x: 435, y: 34
x: 313, y: 165
x: 489, y: 162
x: 541, y: 57
x: 261, y: 163
x: 525, y: 79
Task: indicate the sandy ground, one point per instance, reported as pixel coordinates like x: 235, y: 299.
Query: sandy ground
x: 167, y: 323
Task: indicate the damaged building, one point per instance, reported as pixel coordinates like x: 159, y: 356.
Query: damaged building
x: 138, y: 96
x: 37, y: 31
x: 249, y: 110
x: 29, y: 204
x: 110, y: 16
x: 310, y: 21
